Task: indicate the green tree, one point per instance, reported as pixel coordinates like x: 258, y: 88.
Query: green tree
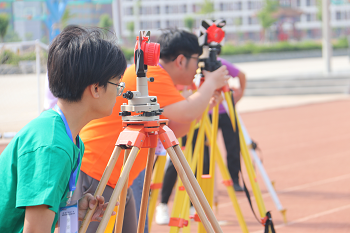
x: 131, y: 27
x: 12, y: 36
x: 319, y: 10
x: 105, y: 22
x: 4, y: 23
x: 28, y: 36
x: 265, y: 15
x: 189, y: 22
x: 207, y: 8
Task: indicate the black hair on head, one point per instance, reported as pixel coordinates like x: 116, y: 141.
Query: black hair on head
x: 174, y: 42
x: 79, y: 57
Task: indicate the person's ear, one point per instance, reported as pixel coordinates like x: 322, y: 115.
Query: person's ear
x: 95, y: 90
x: 180, y: 61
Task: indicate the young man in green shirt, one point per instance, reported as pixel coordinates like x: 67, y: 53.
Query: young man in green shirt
x: 41, y: 164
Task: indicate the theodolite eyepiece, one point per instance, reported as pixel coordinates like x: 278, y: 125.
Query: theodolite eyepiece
x: 128, y: 95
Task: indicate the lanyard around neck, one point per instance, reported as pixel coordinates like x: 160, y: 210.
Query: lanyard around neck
x: 73, y: 175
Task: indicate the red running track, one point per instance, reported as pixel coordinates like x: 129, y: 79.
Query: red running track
x: 306, y: 152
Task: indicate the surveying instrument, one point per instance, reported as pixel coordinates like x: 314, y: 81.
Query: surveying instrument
x: 142, y: 128
x: 210, y: 38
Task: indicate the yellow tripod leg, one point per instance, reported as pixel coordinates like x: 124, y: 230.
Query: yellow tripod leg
x: 227, y: 181
x: 156, y: 185
x: 177, y: 218
x: 230, y: 109
x: 246, y: 157
x: 111, y: 222
x: 251, y: 172
x: 207, y: 181
x: 181, y: 202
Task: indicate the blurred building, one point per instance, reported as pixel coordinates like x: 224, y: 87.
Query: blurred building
x: 28, y: 19
x: 240, y: 15
x: 88, y: 14
x: 134, y: 15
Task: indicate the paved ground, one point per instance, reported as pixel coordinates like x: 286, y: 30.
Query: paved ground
x: 293, y: 67
x: 305, y: 151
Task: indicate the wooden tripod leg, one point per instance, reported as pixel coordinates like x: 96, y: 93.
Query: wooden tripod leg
x: 145, y: 191
x: 118, y: 188
x: 191, y: 193
x: 122, y: 199
x: 101, y: 187
x: 197, y: 189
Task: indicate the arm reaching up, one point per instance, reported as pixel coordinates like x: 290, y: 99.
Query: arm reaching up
x: 195, y: 104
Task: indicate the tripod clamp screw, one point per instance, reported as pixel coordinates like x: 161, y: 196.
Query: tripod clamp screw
x: 151, y: 79
x: 125, y: 113
x: 153, y: 99
x: 128, y: 95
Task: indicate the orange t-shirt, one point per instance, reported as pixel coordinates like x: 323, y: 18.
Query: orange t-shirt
x: 99, y: 136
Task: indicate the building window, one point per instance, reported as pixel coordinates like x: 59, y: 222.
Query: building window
x: 253, y: 5
x: 183, y: 9
x: 338, y: 15
x: 145, y: 10
x: 228, y: 6
x: 175, y: 9
x: 171, y: 9
x: 308, y: 3
x: 238, y: 6
x: 157, y: 10
x: 195, y: 8
x: 129, y: 11
x: 145, y: 25
x: 308, y: 17
x: 298, y: 2
x: 157, y: 24
x: 252, y: 20
x: 142, y: 25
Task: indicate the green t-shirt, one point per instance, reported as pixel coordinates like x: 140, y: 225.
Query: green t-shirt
x: 35, y: 170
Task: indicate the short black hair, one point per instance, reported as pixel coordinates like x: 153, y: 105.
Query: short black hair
x: 79, y: 57
x: 174, y: 42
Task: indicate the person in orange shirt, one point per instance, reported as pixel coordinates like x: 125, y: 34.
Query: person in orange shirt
x: 179, y: 52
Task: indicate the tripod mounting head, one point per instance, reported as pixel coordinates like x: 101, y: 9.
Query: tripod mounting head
x: 211, y: 34
x: 139, y: 101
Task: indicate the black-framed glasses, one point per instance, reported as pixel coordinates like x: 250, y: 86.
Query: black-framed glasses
x: 120, y: 87
x: 197, y: 58
x: 188, y: 57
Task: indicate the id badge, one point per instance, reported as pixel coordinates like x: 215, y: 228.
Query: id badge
x: 68, y: 221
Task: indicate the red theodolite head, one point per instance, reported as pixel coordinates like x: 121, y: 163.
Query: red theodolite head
x: 151, y: 51
x: 215, y: 34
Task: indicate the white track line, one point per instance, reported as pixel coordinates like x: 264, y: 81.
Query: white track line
x: 304, y: 219
x: 334, y: 179
x: 309, y: 161
x: 303, y: 186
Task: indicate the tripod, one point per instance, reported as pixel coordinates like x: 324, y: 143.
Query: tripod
x: 143, y: 131
x: 181, y: 206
